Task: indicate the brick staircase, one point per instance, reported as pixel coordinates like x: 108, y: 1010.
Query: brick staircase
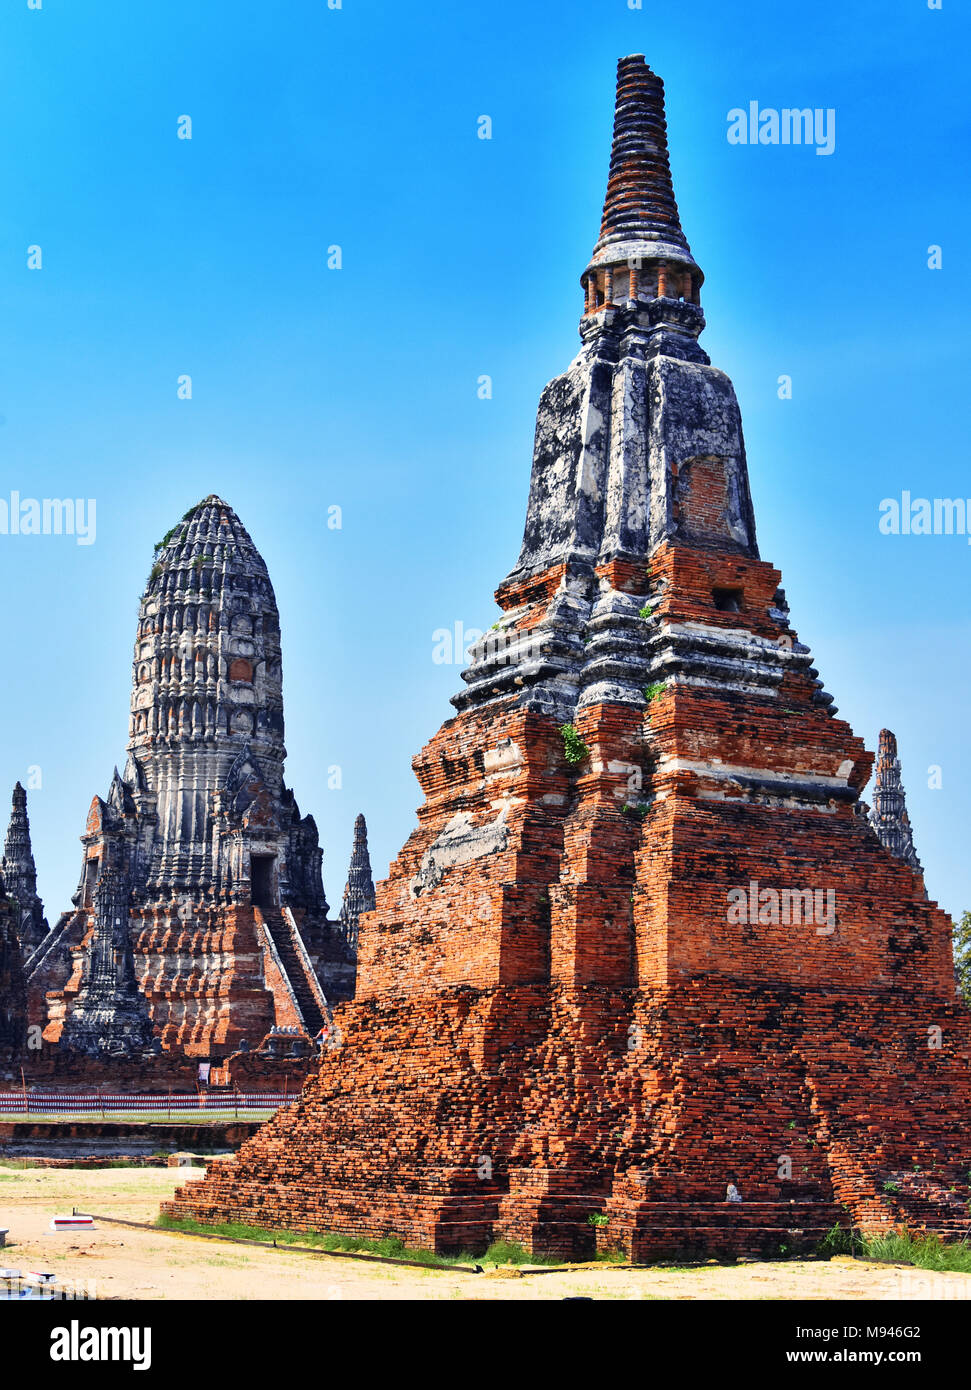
x: 281, y: 932
x: 58, y: 939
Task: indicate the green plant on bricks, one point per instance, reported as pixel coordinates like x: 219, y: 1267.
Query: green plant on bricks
x: 573, y: 745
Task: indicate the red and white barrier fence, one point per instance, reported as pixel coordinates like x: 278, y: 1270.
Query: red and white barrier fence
x: 68, y: 1102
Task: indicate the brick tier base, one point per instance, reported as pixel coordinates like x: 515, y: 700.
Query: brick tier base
x: 558, y: 1015
x: 518, y: 1115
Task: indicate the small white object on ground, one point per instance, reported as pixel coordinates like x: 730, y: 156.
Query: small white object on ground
x: 71, y: 1223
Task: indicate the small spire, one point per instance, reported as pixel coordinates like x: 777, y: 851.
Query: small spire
x: 359, y: 893
x: 20, y: 872
x: 640, y: 203
x: 642, y: 253
x: 13, y: 988
x: 110, y: 1015
x: 888, y: 816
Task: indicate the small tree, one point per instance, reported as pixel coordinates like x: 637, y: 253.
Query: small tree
x: 962, y: 955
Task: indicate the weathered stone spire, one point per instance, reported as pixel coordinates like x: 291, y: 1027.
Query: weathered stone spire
x: 205, y: 749
x: 13, y: 988
x: 642, y: 253
x: 207, y: 689
x: 359, y: 893
x: 110, y: 1015
x: 638, y: 448
x: 888, y: 815
x: 20, y: 874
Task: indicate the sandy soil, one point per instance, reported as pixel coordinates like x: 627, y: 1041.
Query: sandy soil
x: 125, y: 1263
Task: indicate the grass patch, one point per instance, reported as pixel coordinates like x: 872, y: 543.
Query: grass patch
x: 392, y: 1247
x: 510, y: 1252
x: 924, y: 1251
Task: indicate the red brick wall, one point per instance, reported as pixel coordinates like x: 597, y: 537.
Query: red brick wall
x: 570, y: 1023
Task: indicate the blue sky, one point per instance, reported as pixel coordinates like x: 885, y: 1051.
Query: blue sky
x: 357, y: 387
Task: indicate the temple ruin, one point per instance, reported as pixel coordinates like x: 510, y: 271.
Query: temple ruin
x: 200, y: 924
x: 567, y: 1032
x: 646, y: 943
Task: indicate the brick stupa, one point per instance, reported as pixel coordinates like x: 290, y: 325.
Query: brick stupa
x: 643, y: 942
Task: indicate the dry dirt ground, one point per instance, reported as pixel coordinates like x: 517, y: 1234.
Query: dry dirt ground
x: 125, y: 1263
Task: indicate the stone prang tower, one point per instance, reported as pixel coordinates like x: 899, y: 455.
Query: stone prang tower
x: 359, y: 892
x: 641, y: 943
x: 20, y: 874
x: 110, y: 1016
x: 13, y: 987
x: 205, y: 748
x: 889, y: 816
x: 228, y: 915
